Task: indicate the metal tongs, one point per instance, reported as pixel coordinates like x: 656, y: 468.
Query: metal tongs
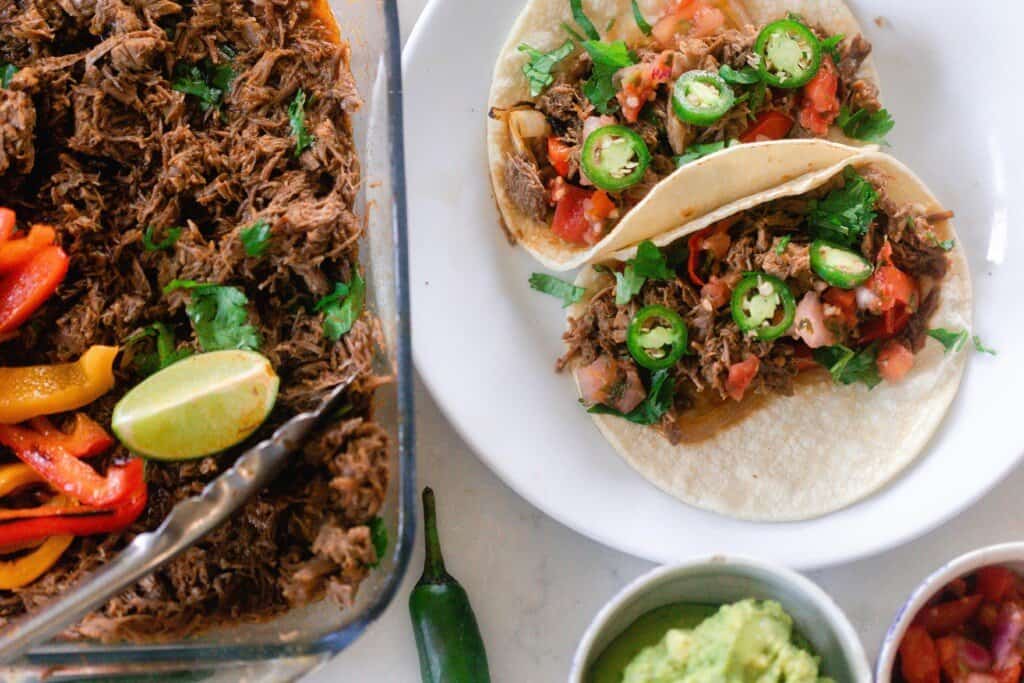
x: 188, y: 522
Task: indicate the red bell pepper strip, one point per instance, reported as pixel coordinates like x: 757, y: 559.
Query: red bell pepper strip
x: 52, y: 458
x: 27, y: 287
x: 919, y: 659
x: 80, y: 521
x: 996, y: 583
x: 16, y: 253
x: 7, y: 220
x: 769, y: 125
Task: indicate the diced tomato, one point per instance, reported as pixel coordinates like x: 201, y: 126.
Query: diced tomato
x: 570, y: 222
x: 599, y: 207
x: 7, y: 220
x: 611, y: 383
x: 24, y: 290
x: 639, y: 83
x: 948, y: 616
x: 892, y: 286
x: 919, y: 659
x: 886, y: 326
x: 1009, y: 675
x: 894, y: 361
x: 698, y: 243
x: 884, y: 257
x: 959, y: 656
x: 740, y: 376
x: 821, y: 104
x: 988, y: 615
x: 677, y: 19
x: 15, y: 253
x: 717, y: 291
x: 706, y: 22
x: 845, y: 303
x: 558, y: 155
x: 769, y: 125
x: 995, y: 583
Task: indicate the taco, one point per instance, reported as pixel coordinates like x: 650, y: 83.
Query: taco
x: 594, y: 102
x: 785, y: 356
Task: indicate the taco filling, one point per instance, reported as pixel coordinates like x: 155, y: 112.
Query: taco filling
x: 841, y: 278
x: 607, y: 121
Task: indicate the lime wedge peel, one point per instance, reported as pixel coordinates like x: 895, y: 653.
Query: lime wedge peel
x: 201, y: 405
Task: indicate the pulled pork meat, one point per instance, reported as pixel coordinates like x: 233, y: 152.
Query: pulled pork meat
x: 96, y: 140
x: 772, y: 238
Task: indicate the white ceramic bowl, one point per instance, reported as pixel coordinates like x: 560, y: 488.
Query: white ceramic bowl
x: 719, y: 580
x: 1007, y: 554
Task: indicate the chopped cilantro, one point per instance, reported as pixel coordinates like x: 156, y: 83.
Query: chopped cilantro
x: 256, y: 238
x: 166, y: 352
x: 166, y: 243
x: 953, y: 341
x: 297, y: 118
x: 207, y: 81
x: 641, y: 23
x: 845, y: 214
x: 583, y: 21
x: 848, y: 366
x: 659, y: 400
x: 342, y: 307
x: 699, y: 151
x: 748, y: 75
x: 379, y: 538
x: 7, y: 72
x: 649, y: 263
x: 865, y: 125
x: 944, y: 245
x: 831, y: 46
x: 981, y: 348
x: 547, y: 284
x: 780, y: 248
x: 219, y: 315
x: 538, y: 69
x: 608, y: 59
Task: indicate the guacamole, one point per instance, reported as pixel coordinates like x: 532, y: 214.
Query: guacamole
x: 746, y: 642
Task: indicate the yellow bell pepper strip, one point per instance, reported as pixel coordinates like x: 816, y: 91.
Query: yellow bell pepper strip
x: 16, y: 476
x: 27, y: 568
x: 47, y: 389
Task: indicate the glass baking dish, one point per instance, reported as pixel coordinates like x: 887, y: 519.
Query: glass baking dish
x: 286, y: 647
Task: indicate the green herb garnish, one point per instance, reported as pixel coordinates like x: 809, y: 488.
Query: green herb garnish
x: 981, y: 348
x: 166, y: 352
x: 166, y: 243
x: 780, y: 248
x: 950, y: 339
x: 865, y: 125
x: 208, y: 82
x: 297, y: 118
x: 641, y: 23
x: 547, y: 284
x: 659, y: 400
x: 845, y: 214
x: 342, y: 307
x: 649, y: 263
x: 608, y: 59
x: 848, y: 366
x: 538, y: 69
x: 582, y: 20
x: 219, y: 315
x: 699, y: 151
x: 379, y: 538
x: 748, y: 75
x: 831, y: 46
x: 256, y: 238
x: 7, y: 72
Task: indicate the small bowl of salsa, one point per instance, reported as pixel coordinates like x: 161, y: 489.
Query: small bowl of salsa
x: 720, y: 618
x: 964, y: 624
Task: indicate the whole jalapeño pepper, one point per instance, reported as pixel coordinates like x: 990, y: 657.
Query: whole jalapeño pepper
x: 447, y: 636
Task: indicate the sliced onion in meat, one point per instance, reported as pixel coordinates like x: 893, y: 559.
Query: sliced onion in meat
x: 867, y: 300
x: 678, y: 133
x: 527, y: 124
x: 809, y: 322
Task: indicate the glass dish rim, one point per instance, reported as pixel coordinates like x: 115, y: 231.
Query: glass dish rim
x: 99, y: 655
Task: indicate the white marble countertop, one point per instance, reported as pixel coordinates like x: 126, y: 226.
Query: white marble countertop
x: 535, y: 584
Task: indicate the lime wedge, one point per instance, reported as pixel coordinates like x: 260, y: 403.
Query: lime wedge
x: 198, y: 406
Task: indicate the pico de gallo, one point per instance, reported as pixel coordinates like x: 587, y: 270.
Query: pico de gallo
x: 608, y: 120
x: 972, y: 631
x: 841, y: 278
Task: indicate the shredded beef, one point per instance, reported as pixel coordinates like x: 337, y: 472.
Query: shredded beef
x: 524, y: 186
x: 95, y: 141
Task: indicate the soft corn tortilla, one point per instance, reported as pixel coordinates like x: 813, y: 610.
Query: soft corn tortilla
x: 539, y: 25
x: 827, y: 447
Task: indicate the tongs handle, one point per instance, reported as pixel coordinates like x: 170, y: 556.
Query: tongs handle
x: 188, y: 522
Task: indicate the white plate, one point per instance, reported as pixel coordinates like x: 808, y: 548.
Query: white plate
x: 486, y: 344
